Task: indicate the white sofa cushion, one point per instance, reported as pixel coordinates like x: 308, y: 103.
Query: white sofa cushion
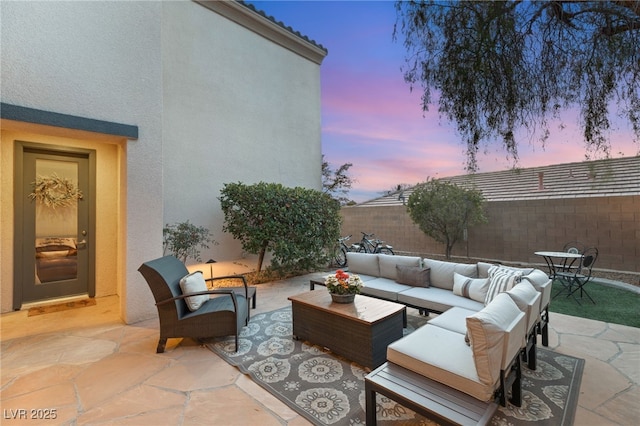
x: 383, y: 288
x: 483, y: 269
x: 528, y: 300
x: 471, y: 288
x: 194, y: 283
x: 501, y: 280
x: 440, y: 355
x: 388, y: 264
x: 455, y: 319
x: 363, y: 263
x: 496, y: 334
x: 442, y: 272
x: 436, y: 299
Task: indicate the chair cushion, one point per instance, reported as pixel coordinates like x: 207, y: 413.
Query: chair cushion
x: 363, y: 263
x: 194, y: 283
x: 501, y: 280
x: 388, y: 264
x: 471, y: 288
x: 412, y: 275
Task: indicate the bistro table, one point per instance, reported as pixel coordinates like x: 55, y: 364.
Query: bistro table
x: 567, y: 260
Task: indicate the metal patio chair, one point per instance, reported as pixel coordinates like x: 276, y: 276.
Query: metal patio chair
x: 573, y: 281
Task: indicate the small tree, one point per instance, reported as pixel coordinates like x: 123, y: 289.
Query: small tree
x: 443, y: 210
x: 185, y: 239
x: 337, y: 183
x: 297, y: 225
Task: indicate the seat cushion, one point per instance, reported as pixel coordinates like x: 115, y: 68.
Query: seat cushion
x: 194, y: 283
x: 471, y: 288
x: 440, y: 355
x: 383, y: 288
x: 436, y: 299
x: 455, y: 319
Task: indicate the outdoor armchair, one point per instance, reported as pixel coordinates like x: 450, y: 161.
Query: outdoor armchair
x: 223, y: 313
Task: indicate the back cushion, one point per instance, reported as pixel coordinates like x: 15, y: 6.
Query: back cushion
x: 388, y: 264
x: 486, y: 330
x: 483, y: 269
x: 363, y: 263
x: 442, y: 272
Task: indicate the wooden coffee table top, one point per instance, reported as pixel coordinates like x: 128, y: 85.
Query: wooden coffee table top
x: 364, y: 309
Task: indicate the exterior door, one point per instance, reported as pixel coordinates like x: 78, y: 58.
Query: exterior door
x: 56, y: 240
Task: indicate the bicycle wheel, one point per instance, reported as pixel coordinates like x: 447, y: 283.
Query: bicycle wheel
x: 386, y: 250
x: 341, y: 257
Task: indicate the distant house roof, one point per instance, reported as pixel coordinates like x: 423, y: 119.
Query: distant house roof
x: 600, y: 178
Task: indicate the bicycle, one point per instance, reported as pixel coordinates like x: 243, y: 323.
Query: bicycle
x: 340, y: 257
x: 370, y: 245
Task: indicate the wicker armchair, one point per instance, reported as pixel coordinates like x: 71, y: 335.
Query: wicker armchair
x: 222, y: 315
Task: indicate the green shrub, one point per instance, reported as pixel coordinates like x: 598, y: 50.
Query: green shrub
x: 298, y: 226
x: 184, y: 240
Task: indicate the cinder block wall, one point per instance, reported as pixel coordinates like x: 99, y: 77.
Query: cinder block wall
x: 516, y: 229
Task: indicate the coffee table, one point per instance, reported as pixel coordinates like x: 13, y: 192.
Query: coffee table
x: 359, y: 331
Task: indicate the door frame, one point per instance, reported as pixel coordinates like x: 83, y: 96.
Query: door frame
x: 18, y: 203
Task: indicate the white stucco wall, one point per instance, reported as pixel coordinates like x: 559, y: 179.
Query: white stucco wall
x: 213, y: 101
x: 238, y: 108
x: 100, y: 60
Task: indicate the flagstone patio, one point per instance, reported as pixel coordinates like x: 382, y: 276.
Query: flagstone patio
x: 88, y: 367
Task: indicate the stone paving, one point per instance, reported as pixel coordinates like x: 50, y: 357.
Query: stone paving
x: 85, y: 367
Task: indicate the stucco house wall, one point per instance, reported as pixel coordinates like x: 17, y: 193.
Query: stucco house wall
x: 261, y: 121
x: 212, y: 99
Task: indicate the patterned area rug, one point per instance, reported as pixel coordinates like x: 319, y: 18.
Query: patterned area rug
x: 329, y: 390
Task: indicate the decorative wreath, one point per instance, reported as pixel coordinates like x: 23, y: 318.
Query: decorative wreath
x: 54, y: 191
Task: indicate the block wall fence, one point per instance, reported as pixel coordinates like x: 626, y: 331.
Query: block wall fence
x: 516, y: 229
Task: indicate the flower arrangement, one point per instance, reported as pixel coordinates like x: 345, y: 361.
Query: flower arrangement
x: 343, y: 283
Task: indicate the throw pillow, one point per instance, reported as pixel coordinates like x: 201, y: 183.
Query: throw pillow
x: 194, y: 283
x: 413, y: 275
x: 501, y: 280
x: 471, y: 288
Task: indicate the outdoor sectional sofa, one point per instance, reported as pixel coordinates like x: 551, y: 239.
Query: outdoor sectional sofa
x: 490, y: 316
x: 438, y: 286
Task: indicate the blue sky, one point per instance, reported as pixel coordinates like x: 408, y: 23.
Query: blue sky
x: 370, y: 117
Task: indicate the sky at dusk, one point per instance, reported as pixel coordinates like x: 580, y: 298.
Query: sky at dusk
x: 371, y: 118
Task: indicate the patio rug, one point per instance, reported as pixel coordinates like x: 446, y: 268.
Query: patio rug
x: 329, y: 390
